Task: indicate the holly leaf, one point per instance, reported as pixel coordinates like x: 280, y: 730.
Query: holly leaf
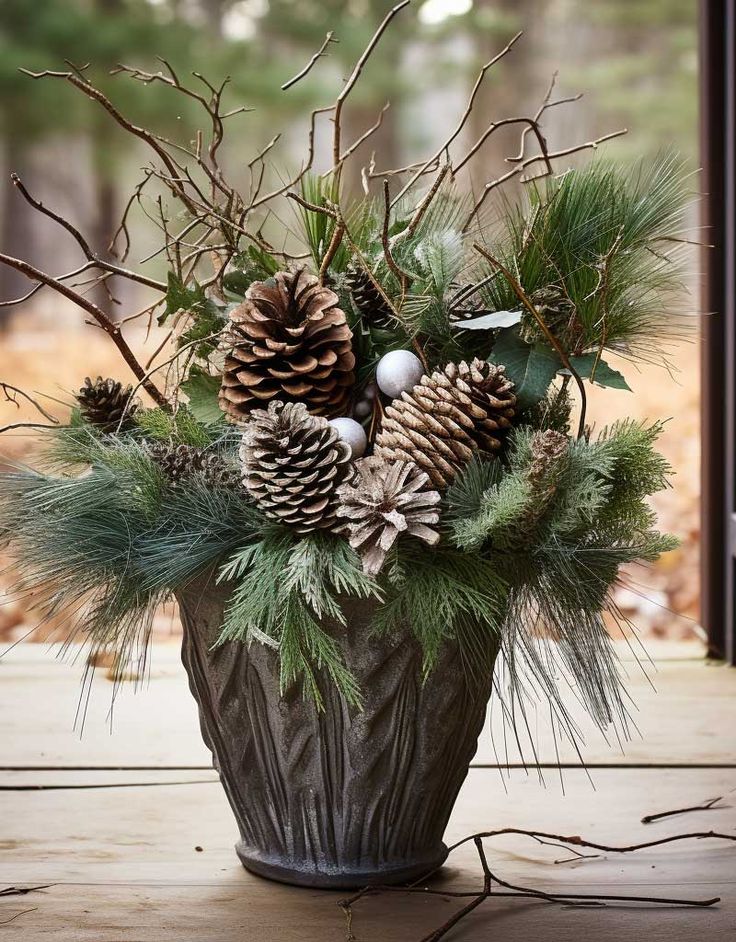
x: 181, y: 298
x: 492, y: 321
x: 531, y: 367
x: 602, y: 374
x: 202, y: 390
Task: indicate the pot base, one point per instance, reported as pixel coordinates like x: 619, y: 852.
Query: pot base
x: 342, y: 879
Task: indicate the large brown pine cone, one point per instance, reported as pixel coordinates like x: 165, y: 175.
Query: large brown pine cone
x: 107, y: 404
x: 293, y: 463
x: 289, y: 341
x: 447, y: 417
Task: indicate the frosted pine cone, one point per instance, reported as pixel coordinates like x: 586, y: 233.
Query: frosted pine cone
x: 383, y: 500
x: 447, y: 417
x: 293, y: 463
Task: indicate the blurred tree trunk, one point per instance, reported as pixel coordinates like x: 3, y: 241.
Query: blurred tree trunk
x: 357, y: 119
x: 104, y: 184
x: 214, y: 11
x: 513, y: 87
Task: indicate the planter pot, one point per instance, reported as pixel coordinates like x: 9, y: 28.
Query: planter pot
x: 340, y: 798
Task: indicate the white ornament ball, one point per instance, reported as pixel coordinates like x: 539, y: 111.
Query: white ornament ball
x: 351, y: 432
x: 362, y: 409
x: 398, y: 371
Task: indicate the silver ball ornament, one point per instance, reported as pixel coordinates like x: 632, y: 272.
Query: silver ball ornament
x: 362, y: 409
x: 398, y: 371
x: 351, y: 432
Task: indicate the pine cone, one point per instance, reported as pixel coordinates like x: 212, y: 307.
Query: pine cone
x: 464, y: 302
x: 368, y: 299
x: 549, y: 450
x: 179, y: 462
x: 558, y: 313
x: 290, y: 341
x: 383, y: 500
x: 293, y: 463
x: 107, y: 404
x: 446, y: 417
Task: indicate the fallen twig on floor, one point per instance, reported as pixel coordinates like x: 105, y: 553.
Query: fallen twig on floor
x: 23, y: 890
x: 491, y: 881
x: 706, y: 806
x: 4, y: 922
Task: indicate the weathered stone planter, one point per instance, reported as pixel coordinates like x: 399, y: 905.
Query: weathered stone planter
x: 343, y: 798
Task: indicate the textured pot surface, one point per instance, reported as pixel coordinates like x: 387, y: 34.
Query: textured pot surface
x: 341, y: 798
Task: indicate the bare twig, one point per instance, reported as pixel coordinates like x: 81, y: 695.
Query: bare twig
x: 23, y: 912
x: 262, y: 153
x: 553, y: 341
x: 78, y: 81
x: 305, y: 168
x: 12, y: 392
x: 424, y: 205
x: 24, y: 890
x: 16, y: 425
x: 531, y: 124
x: 99, y: 316
x: 363, y: 137
x: 520, y: 167
x: 706, y: 806
x: 434, y: 159
x: 82, y: 242
x: 355, y: 75
x: 25, y: 297
x: 307, y: 68
x: 404, y: 277
x: 335, y: 241
x: 312, y: 207
x: 492, y: 882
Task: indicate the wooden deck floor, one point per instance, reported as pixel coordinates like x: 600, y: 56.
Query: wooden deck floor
x: 134, y: 835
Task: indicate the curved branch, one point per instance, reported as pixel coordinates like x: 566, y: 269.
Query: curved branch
x: 434, y: 159
x: 99, y: 316
x: 82, y: 242
x: 10, y: 392
x: 142, y: 134
x: 552, y: 340
x: 529, y: 161
x: 355, y: 75
x: 308, y: 67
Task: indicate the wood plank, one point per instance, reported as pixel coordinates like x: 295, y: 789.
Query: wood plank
x: 126, y: 867
x: 157, y: 726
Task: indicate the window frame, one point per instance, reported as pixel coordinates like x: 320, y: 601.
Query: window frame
x: 718, y: 325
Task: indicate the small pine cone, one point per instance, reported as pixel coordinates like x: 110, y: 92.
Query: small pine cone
x: 463, y: 302
x: 178, y: 462
x: 549, y: 451
x: 107, y: 404
x: 368, y: 299
x: 558, y: 313
x: 551, y: 413
x: 447, y: 417
x: 383, y: 500
x: 290, y: 341
x: 293, y: 463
